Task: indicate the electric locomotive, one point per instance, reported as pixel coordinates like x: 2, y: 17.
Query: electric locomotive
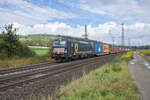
x: 67, y: 49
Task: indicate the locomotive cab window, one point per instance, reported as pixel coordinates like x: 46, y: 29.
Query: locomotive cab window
x: 62, y: 43
x: 59, y: 43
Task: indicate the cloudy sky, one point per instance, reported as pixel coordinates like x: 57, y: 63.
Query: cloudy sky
x: 68, y: 17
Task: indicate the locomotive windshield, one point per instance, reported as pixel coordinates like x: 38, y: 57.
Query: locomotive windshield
x: 61, y: 43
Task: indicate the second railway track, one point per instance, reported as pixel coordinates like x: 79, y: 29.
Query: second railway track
x: 11, y: 81
x: 11, y: 70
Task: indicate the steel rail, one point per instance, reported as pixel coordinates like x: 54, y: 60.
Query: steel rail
x: 49, y: 72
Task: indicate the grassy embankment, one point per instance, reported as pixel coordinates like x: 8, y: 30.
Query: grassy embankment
x: 42, y: 55
x: 110, y: 82
x: 146, y: 53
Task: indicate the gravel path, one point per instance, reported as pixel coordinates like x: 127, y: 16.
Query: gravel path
x: 140, y: 72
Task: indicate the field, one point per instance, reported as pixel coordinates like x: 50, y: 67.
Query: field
x: 44, y: 40
x: 145, y: 51
x: 111, y: 82
x: 40, y: 51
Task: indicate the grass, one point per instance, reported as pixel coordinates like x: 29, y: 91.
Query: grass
x: 15, y: 62
x: 145, y: 51
x: 41, y: 51
x: 111, y: 82
x: 41, y: 57
x: 38, y: 39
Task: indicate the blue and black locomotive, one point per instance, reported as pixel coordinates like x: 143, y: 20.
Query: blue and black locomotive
x: 66, y: 48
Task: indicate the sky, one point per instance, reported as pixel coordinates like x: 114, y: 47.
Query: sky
x: 68, y: 17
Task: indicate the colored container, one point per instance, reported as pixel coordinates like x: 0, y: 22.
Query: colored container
x: 96, y: 48
x: 101, y: 48
x: 115, y: 49
x: 105, y: 48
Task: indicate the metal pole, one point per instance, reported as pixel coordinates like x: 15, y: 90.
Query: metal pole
x: 86, y: 35
x: 122, y: 35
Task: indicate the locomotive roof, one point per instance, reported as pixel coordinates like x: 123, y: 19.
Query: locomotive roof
x: 82, y: 39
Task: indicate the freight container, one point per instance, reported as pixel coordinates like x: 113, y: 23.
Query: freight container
x: 96, y: 48
x: 101, y: 48
x: 116, y: 49
x: 105, y: 48
x: 110, y: 49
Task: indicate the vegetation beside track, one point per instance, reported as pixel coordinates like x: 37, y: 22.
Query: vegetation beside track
x: 14, y: 52
x: 145, y: 51
x: 42, y: 55
x: 14, y: 62
x: 10, y: 46
x: 110, y: 82
x: 40, y: 51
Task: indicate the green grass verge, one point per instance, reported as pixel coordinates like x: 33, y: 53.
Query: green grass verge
x: 41, y: 51
x: 15, y: 62
x: 145, y: 51
x: 42, y: 55
x: 110, y: 82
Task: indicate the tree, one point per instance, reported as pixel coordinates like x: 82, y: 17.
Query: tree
x: 10, y: 44
x: 11, y: 39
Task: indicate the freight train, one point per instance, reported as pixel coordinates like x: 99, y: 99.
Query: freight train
x: 68, y: 49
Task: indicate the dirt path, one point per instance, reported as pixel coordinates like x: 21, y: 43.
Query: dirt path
x: 140, y: 72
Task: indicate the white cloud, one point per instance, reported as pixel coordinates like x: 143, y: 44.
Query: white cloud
x: 123, y: 10
x: 26, y: 13
x: 138, y: 32
x: 92, y: 9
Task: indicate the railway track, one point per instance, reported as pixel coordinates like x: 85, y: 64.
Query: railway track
x: 6, y: 71
x: 8, y: 81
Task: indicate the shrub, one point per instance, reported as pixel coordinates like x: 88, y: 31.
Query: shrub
x: 116, y: 67
x: 127, y: 56
x: 10, y: 45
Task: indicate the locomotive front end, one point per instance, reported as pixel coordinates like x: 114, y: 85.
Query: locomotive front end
x: 59, y: 49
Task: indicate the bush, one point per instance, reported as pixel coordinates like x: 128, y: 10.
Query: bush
x: 10, y: 46
x: 3, y: 53
x: 116, y: 67
x: 127, y: 56
x: 24, y: 51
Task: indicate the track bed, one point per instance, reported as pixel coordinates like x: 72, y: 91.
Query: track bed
x: 34, y: 82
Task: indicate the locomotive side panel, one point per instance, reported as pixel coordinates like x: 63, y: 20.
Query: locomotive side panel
x: 83, y: 49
